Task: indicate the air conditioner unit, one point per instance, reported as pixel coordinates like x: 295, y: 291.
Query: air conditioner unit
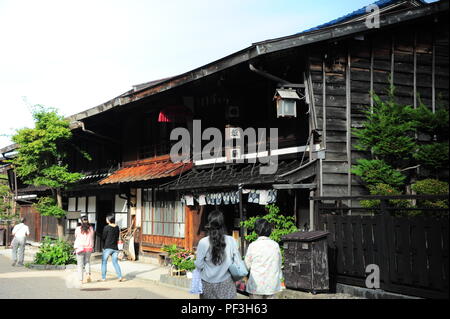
x: 233, y: 112
x: 232, y: 133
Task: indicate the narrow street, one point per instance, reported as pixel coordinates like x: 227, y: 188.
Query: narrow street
x: 23, y: 283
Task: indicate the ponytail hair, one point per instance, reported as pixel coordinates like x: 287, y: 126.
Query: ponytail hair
x: 85, y: 226
x: 216, y: 232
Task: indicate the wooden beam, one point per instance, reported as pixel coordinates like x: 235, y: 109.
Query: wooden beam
x: 392, y: 59
x: 295, y: 186
x: 324, y: 108
x: 348, y: 95
x: 415, y: 72
x: 380, y: 197
x: 242, y: 218
x: 371, y: 75
x: 433, y: 76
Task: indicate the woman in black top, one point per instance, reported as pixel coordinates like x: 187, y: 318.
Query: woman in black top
x: 110, y: 238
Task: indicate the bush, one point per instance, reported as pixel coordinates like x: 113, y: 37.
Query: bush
x: 170, y: 249
x: 282, y: 225
x: 55, y: 252
x: 386, y: 190
x: 375, y: 172
x: 433, y: 156
x: 9, y: 217
x: 431, y: 187
x: 182, y: 259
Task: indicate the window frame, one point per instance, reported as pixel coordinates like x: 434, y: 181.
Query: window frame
x: 164, y: 217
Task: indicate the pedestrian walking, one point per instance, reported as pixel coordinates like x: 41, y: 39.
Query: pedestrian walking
x: 110, y: 238
x: 214, y: 257
x: 84, y: 246
x: 20, y: 233
x: 263, y: 260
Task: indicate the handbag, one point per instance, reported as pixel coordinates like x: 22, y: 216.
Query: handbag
x: 196, y: 282
x: 237, y: 268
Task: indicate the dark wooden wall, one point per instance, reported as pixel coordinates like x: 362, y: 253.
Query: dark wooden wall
x: 412, y: 253
x: 343, y: 73
x: 33, y: 221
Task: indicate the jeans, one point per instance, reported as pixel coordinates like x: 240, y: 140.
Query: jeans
x: 18, y: 244
x: 114, y: 253
x: 83, y: 261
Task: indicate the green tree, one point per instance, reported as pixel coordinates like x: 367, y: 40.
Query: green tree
x: 282, y: 225
x: 388, y: 131
x: 374, y: 172
x: 432, y: 149
x: 40, y: 159
x: 400, y: 138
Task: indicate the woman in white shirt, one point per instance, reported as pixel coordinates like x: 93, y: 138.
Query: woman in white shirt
x: 263, y: 260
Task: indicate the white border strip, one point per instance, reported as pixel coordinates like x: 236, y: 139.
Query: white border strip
x: 283, y: 151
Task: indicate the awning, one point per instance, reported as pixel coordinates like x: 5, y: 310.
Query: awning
x: 144, y: 170
x: 247, y: 175
x: 175, y: 114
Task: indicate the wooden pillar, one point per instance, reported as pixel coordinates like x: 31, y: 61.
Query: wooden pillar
x: 311, y: 211
x: 242, y: 218
x: 324, y: 106
x: 348, y: 84
x: 415, y: 72
x: 371, y: 76
x: 187, y: 228
x: 296, y: 214
x: 433, y: 76
x: 192, y: 222
x: 392, y: 59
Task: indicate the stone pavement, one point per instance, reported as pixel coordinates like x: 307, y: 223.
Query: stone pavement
x: 130, y: 269
x: 24, y: 283
x: 151, y: 273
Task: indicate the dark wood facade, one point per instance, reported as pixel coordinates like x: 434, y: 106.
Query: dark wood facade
x: 412, y: 57
x: 339, y: 65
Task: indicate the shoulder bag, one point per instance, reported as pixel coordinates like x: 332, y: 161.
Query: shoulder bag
x: 237, y: 268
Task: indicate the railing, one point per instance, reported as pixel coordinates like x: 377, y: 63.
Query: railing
x: 410, y: 251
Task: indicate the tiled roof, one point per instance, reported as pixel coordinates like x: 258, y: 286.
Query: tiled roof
x: 232, y: 176
x: 380, y: 4
x: 144, y: 170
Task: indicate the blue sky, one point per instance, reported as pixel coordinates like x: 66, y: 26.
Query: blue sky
x: 74, y: 55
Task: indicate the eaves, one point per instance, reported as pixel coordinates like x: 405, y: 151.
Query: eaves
x: 266, y: 47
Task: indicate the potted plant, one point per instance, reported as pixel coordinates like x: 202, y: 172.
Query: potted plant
x: 170, y: 250
x: 182, y: 260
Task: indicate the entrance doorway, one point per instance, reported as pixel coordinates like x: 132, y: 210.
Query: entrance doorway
x: 104, y: 208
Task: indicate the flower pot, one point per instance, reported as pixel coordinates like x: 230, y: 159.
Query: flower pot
x: 177, y: 272
x: 189, y: 274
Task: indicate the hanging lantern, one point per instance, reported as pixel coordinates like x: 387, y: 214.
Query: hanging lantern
x: 286, y: 102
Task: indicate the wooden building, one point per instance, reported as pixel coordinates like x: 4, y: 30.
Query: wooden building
x: 331, y: 69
